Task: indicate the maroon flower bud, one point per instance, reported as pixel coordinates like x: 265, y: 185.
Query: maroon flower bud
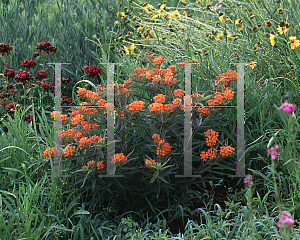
x: 23, y: 76
x: 92, y: 71
x: 12, y: 107
x: 41, y: 74
x: 5, y: 49
x: 10, y: 73
x: 28, y: 63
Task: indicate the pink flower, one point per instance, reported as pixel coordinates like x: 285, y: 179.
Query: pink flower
x: 273, y: 152
x: 248, y: 179
x: 288, y: 107
x: 285, y: 219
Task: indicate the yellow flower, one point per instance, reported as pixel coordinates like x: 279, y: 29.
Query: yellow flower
x: 139, y: 29
x: 126, y: 50
x: 132, y: 47
x: 282, y: 30
x: 232, y: 14
x: 185, y: 14
x: 294, y: 42
x: 220, y: 35
x: 161, y: 8
x: 228, y: 36
x: 222, y: 19
x: 238, y: 25
x: 272, y: 39
x: 122, y: 14
x: 147, y: 8
x: 175, y: 14
x: 252, y: 64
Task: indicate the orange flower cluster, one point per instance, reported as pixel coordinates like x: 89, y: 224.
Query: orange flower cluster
x: 77, y: 134
x: 52, y: 152
x: 226, y: 151
x: 183, y: 63
x: 135, y: 106
x: 160, y: 98
x: 203, y: 110
x: 158, y: 60
x: 156, y: 107
x: 69, y: 151
x: 179, y: 93
x: 211, y: 137
x: 149, y: 163
x: 119, y: 157
x: 224, y: 79
x: 91, y: 165
x: 85, y: 142
x: 177, y: 102
x: 100, y: 165
x: 76, y: 119
x: 88, y: 127
x: 163, y: 147
x: 211, y: 153
x: 63, y: 117
x: 157, y: 74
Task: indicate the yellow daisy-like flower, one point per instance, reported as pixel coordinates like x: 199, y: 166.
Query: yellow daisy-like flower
x: 132, y: 47
x: 122, y: 14
x: 252, y: 64
x: 294, y: 42
x: 222, y: 19
x: 185, y: 14
x: 175, y: 14
x: 229, y: 35
x: 126, y: 50
x: 219, y: 36
x: 282, y: 30
x: 147, y: 8
x: 139, y: 29
x: 238, y: 25
x: 161, y: 8
x: 272, y: 39
x: 232, y: 14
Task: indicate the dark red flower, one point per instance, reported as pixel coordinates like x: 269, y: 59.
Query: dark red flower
x: 10, y: 73
x: 92, y: 71
x: 23, y: 76
x: 28, y: 63
x: 67, y: 100
x: 5, y: 49
x: 41, y: 74
x: 28, y: 118
x: 12, y: 107
x: 46, y: 46
x: 46, y: 85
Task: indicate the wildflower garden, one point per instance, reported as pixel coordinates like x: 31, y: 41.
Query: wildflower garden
x: 165, y: 119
